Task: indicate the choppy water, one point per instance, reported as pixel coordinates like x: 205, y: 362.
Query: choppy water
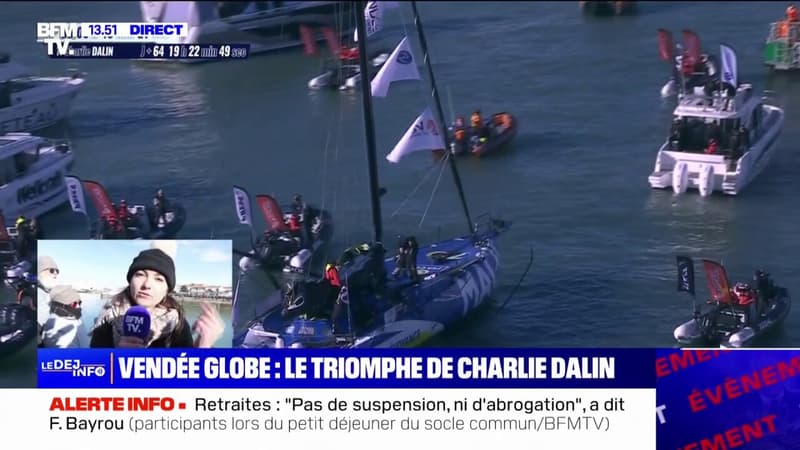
x: 586, y: 94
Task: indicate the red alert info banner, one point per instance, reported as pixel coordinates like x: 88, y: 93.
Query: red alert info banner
x: 477, y: 398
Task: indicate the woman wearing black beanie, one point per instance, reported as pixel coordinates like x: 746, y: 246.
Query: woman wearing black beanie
x: 151, y: 281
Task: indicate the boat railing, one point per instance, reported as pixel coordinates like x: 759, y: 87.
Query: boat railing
x: 783, y: 31
x: 708, y: 103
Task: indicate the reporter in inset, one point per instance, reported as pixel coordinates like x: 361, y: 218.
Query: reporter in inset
x: 151, y: 281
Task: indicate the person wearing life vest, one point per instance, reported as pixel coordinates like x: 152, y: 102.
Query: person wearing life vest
x: 460, y: 129
x: 476, y: 120
x: 459, y: 135
x: 332, y: 275
x: 784, y: 26
x: 745, y: 297
x: 478, y: 129
x: 294, y: 224
x: 712, y: 147
x: 124, y: 213
x: 348, y: 54
x: 161, y: 205
x: 791, y: 13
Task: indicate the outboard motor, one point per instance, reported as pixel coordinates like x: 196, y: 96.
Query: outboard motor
x: 680, y: 178
x: 247, y: 264
x: 763, y: 284
x: 706, y: 183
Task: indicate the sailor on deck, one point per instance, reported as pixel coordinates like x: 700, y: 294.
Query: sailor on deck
x: 784, y: 26
x: 478, y: 128
x: 747, y: 298
x: 160, y: 203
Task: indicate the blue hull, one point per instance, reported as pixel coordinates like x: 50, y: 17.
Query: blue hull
x: 457, y: 276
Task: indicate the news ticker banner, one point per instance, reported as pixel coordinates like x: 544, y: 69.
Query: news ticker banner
x: 342, y: 368
x: 131, y: 40
x: 392, y: 398
x: 318, y: 418
x: 694, y: 399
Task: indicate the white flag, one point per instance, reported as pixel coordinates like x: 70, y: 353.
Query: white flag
x: 75, y: 194
x: 729, y: 65
x: 241, y: 200
x: 373, y: 15
x: 424, y: 134
x: 400, y: 66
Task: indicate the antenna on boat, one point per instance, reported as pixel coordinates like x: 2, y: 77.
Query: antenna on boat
x: 426, y: 56
x: 369, y: 124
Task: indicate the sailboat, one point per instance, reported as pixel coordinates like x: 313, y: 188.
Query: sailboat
x: 372, y: 308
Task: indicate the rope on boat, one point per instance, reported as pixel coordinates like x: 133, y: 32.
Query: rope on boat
x: 414, y: 191
x: 433, y: 192
x: 519, y: 283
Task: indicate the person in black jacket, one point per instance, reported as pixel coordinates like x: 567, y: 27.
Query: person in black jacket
x: 151, y: 281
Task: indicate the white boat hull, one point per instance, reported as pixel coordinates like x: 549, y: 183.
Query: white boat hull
x: 707, y: 174
x: 40, y: 107
x: 269, y: 30
x: 39, y: 192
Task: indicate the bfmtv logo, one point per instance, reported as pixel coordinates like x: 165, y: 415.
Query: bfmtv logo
x: 75, y: 367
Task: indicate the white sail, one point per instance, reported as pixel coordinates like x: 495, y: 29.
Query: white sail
x: 423, y: 135
x: 75, y: 194
x: 729, y: 65
x: 241, y: 200
x: 400, y: 66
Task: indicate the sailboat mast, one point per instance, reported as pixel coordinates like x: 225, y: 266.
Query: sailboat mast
x: 447, y: 142
x: 369, y: 124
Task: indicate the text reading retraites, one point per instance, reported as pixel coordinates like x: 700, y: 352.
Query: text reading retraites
x: 297, y: 414
x: 360, y: 367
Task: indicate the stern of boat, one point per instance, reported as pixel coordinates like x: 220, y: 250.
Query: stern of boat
x: 683, y: 171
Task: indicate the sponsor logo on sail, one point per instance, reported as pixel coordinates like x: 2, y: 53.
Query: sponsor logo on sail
x: 404, y: 57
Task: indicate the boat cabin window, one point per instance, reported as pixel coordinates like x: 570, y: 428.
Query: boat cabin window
x: 755, y: 121
x: 694, y: 134
x: 8, y: 170
x: 5, y: 94
x: 19, y: 85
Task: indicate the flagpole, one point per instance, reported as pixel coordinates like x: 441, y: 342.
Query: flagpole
x: 369, y: 125
x: 426, y: 56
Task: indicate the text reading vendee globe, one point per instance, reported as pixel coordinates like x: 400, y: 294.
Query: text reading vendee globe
x: 362, y: 367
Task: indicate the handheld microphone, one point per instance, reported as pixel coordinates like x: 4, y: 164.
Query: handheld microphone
x: 136, y: 323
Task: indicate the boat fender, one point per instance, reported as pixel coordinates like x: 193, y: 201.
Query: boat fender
x: 668, y: 90
x: 741, y: 338
x: 680, y: 178
x: 706, y: 184
x: 299, y: 261
x: 247, y: 264
x: 688, y: 331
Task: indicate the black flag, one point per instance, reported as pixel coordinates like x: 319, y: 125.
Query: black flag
x: 685, y: 274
